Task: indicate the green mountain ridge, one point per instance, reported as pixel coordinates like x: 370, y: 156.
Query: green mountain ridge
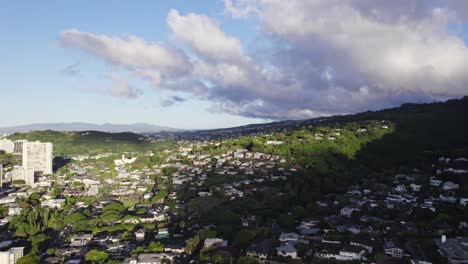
x: 87, y: 142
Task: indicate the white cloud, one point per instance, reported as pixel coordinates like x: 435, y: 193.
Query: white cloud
x: 324, y: 56
x: 131, y: 52
x: 204, y: 36
x: 398, y: 50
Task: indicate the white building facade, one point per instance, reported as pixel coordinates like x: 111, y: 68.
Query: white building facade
x: 37, y: 156
x: 11, y: 256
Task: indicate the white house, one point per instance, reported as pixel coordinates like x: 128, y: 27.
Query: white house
x: 348, y: 210
x: 140, y: 235
x: 340, y: 252
x: 8, y: 199
x: 287, y: 250
x: 274, y: 143
x: 448, y: 186
x: 435, y: 182
x: 81, y: 240
x: 288, y: 237
x: 415, y: 187
x: 53, y: 203
x: 392, y: 248
x: 123, y: 161
x: 400, y: 188
x: 213, y: 242
x: 14, y: 211
x: 464, y: 201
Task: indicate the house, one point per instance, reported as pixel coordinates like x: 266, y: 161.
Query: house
x: 163, y: 233
x: 308, y: 223
x: 415, y: 187
x: 435, y: 182
x: 74, y: 261
x: 455, y: 249
x: 339, y: 252
x: 463, y: 201
x: 348, y: 210
x: 81, y: 240
x: 258, y: 155
x: 115, y: 238
x: 367, y: 245
x: 274, y: 143
x: 287, y: 250
x: 244, y: 221
x: 354, y: 192
x: 393, y: 248
x: 238, y: 155
x: 12, y: 255
x: 428, y: 206
x: 448, y: 199
x: 215, y: 242
x: 322, y: 203
x: 53, y: 203
x: 147, y: 195
x: 14, y: 211
x: 449, y: 186
x: 140, y: 235
x: 8, y: 199
x: 400, y: 188
x: 260, y: 250
x: 124, y: 161
x: 288, y: 237
x: 155, y: 258
x: 153, y: 217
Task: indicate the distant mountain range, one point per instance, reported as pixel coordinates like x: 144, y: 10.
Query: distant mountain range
x: 78, y: 126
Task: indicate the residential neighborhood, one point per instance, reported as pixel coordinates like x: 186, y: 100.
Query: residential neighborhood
x: 205, y: 202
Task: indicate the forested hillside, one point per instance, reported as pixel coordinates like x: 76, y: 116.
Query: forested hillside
x: 88, y: 142
x: 420, y: 129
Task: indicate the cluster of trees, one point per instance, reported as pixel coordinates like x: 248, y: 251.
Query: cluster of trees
x: 152, y: 247
x: 9, y: 160
x: 111, y: 213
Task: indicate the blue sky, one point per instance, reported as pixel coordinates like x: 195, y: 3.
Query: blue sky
x: 256, y: 61
x: 35, y: 89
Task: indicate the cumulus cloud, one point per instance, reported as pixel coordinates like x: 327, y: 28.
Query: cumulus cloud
x: 323, y: 56
x: 352, y: 55
x: 156, y: 62
x: 131, y: 52
x: 204, y: 36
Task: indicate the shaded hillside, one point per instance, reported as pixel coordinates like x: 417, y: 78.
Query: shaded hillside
x: 88, y: 142
x: 420, y: 129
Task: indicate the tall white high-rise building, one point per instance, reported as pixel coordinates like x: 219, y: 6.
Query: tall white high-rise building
x: 11, y: 256
x: 37, y: 157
